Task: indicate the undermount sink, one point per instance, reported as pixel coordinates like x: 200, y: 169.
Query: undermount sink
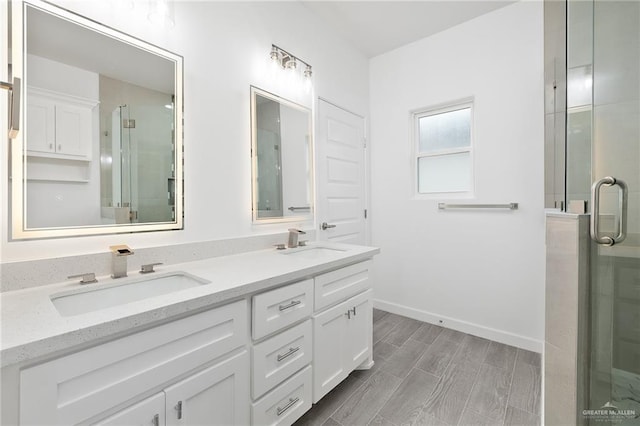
x: 312, y: 252
x: 101, y: 296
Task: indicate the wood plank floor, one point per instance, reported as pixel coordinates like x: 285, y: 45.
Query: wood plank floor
x: 429, y: 375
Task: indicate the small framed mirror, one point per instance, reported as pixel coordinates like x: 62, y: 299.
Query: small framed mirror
x: 100, y: 150
x: 282, y: 159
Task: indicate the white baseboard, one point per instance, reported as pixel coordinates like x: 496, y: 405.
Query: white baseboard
x: 466, y: 327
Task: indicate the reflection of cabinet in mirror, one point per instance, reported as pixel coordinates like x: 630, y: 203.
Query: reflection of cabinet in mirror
x: 60, y: 126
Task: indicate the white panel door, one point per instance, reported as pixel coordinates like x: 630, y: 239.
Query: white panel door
x: 341, y: 175
x: 218, y: 395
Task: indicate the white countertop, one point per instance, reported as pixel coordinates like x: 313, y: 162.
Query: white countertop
x: 31, y: 327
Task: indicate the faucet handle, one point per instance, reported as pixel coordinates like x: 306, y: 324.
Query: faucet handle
x: 148, y: 268
x: 87, y: 278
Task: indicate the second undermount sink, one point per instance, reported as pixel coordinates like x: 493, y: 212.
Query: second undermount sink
x: 101, y: 296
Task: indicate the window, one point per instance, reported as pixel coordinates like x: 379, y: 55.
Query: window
x: 443, y: 149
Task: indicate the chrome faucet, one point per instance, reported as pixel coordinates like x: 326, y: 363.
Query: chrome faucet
x: 293, y: 237
x: 119, y: 260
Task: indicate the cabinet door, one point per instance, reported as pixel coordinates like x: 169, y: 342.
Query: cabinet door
x: 149, y: 412
x: 359, y: 330
x: 342, y: 340
x: 73, y: 130
x: 40, y: 125
x: 218, y: 395
x: 329, y: 347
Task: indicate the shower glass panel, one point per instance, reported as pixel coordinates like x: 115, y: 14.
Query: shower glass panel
x: 141, y: 170
x: 603, y: 139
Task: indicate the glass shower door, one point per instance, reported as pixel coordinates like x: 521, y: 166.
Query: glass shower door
x: 614, y: 376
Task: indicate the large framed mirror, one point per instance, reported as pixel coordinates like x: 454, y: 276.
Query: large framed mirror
x: 282, y: 159
x: 100, y: 150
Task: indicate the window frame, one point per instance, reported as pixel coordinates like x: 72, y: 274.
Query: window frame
x: 416, y: 154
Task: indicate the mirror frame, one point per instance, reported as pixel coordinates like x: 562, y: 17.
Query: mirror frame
x: 18, y: 157
x: 254, y: 160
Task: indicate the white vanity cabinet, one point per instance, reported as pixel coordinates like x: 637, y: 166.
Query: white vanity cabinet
x: 342, y: 334
x: 59, y: 126
x: 80, y: 386
x: 261, y: 360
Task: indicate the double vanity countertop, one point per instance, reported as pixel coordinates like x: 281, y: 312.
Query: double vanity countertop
x: 32, y: 327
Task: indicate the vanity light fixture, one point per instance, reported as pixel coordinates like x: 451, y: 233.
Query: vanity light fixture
x: 289, y: 62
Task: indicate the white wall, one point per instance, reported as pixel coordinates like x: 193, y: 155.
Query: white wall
x: 295, y: 137
x: 226, y: 48
x: 478, y: 271
x: 53, y: 203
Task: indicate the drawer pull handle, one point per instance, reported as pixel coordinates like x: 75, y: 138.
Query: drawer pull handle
x: 288, y: 354
x: 156, y: 420
x: 178, y: 408
x: 353, y: 310
x: 291, y: 402
x: 290, y: 305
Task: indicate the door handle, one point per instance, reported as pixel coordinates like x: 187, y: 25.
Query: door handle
x: 594, y: 227
x: 326, y: 226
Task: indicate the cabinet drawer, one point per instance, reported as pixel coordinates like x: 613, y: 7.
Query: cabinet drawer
x: 332, y: 287
x: 281, y: 307
x: 286, y: 404
x: 76, y: 387
x: 279, y: 357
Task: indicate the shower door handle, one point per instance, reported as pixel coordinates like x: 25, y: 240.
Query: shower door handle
x: 622, y: 211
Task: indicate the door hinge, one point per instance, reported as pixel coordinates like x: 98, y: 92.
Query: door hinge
x: 365, y: 213
x: 364, y: 142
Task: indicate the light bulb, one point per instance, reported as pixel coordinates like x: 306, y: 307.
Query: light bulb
x: 292, y: 64
x: 275, y: 56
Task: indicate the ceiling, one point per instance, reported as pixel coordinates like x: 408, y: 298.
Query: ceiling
x: 73, y: 44
x: 376, y: 27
